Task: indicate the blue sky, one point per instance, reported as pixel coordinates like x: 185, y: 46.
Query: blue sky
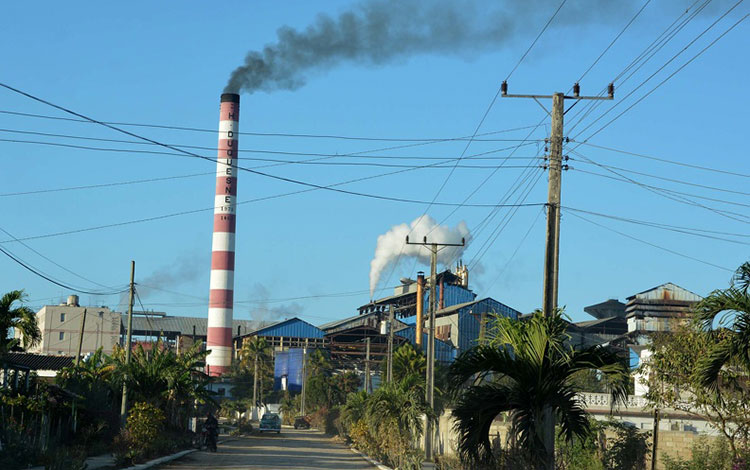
x: 167, y: 64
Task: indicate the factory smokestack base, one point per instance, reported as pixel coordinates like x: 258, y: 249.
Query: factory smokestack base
x: 221, y: 295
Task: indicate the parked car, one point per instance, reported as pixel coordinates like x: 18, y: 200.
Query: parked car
x: 301, y: 422
x: 270, y: 422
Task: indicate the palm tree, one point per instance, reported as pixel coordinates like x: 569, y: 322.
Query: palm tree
x: 408, y: 361
x: 21, y: 319
x: 734, y: 348
x: 526, y: 370
x: 254, y: 351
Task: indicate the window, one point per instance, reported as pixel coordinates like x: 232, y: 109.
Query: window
x: 62, y: 335
x: 62, y: 317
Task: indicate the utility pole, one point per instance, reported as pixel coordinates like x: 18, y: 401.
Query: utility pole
x: 430, y: 379
x: 552, y: 249
x: 367, y: 365
x: 255, y: 385
x: 389, y: 376
x: 124, y: 404
x: 656, y: 438
x: 78, y: 363
x: 304, y: 379
x: 555, y: 166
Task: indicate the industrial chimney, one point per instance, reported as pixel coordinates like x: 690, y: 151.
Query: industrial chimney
x: 221, y: 295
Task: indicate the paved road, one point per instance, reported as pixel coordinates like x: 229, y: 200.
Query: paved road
x: 292, y: 449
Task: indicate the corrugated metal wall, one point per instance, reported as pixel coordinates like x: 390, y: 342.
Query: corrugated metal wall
x: 453, y: 295
x: 469, y: 320
x: 444, y: 352
x: 292, y: 328
x: 289, y: 364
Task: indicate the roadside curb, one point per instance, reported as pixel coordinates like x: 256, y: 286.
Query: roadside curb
x: 168, y: 458
x: 372, y: 462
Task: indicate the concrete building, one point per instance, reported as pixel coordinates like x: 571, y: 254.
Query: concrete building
x: 61, y: 329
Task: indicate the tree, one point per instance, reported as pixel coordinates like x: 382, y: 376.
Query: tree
x: 407, y: 360
x: 675, y: 381
x: 21, y: 319
x: 733, y: 349
x: 527, y: 370
x: 256, y: 352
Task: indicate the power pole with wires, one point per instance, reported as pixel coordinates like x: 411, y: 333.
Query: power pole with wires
x: 430, y: 373
x: 124, y: 404
x: 552, y: 249
x: 555, y: 166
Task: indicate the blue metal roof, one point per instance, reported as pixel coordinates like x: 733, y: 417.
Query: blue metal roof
x: 444, y: 352
x: 292, y: 328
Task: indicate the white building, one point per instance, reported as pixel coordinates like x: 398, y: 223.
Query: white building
x: 61, y: 329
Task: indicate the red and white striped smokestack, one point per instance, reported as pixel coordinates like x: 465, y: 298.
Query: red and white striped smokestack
x: 221, y: 296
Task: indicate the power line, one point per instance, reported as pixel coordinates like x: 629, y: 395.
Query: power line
x: 104, y: 185
x: 668, y: 250
x: 662, y: 40
x: 679, y: 69
x: 671, y: 180
x: 665, y: 190
x: 614, y: 41
x: 358, y: 155
x: 44, y: 276
x: 194, y: 155
x: 53, y: 261
x: 659, y: 192
x: 664, y: 160
x: 704, y: 233
x: 533, y: 43
x: 518, y: 247
x: 263, y: 134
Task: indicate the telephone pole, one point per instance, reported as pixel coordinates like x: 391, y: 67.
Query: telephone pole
x: 304, y: 379
x: 124, y: 404
x: 430, y: 373
x: 78, y: 363
x: 552, y: 249
x: 555, y: 166
x: 389, y: 375
x: 367, y: 365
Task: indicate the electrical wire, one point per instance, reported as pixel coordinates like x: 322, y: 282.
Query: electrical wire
x: 668, y: 250
x: 259, y: 134
x: 533, y: 43
x: 614, y: 40
x: 46, y: 277
x: 679, y: 69
x: 671, y: 180
x: 683, y: 200
x: 704, y: 233
x: 658, y: 188
x: 518, y: 247
x: 41, y: 255
x: 664, y: 160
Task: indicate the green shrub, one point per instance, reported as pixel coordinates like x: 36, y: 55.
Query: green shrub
x: 18, y: 449
x: 712, y: 454
x: 628, y: 450
x: 65, y: 458
x: 143, y: 436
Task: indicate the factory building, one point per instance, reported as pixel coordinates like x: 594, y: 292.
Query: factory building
x: 60, y: 326
x: 285, y: 334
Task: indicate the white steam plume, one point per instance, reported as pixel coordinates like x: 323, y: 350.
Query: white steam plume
x: 393, y: 242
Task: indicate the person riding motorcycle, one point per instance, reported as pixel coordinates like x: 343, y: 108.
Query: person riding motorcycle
x: 212, y: 431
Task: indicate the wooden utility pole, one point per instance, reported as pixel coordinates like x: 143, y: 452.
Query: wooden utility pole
x: 78, y: 363
x: 430, y: 373
x: 656, y: 439
x: 124, y: 404
x: 367, y: 365
x: 552, y: 240
x: 304, y: 379
x: 254, y: 414
x: 555, y: 166
x: 389, y: 376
